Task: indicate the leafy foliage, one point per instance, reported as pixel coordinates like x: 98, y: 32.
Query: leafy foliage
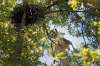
x: 80, y: 17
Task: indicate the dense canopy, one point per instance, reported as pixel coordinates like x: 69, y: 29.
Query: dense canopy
x: 25, y: 31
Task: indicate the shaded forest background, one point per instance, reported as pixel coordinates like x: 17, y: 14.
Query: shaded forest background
x: 81, y: 17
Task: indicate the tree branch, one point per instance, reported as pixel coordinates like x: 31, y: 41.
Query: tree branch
x: 62, y: 11
x: 48, y: 7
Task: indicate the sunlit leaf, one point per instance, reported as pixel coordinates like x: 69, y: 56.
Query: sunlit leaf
x: 74, y: 3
